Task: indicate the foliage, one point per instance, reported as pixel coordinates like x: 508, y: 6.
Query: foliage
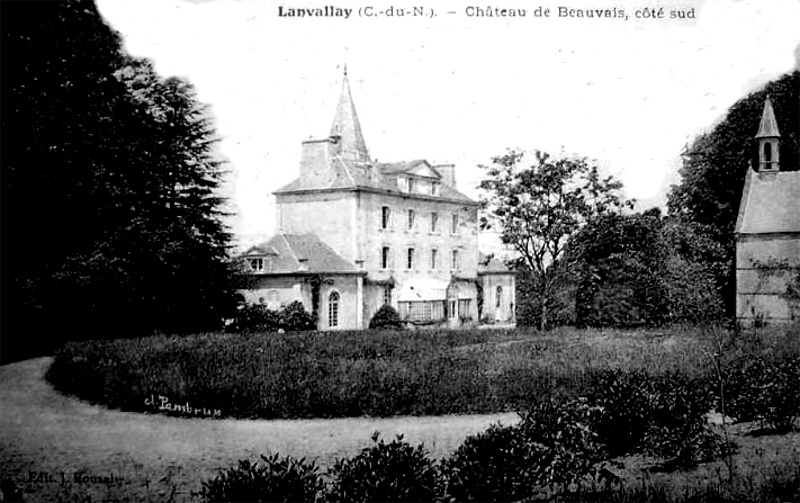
x: 255, y: 318
x: 119, y: 165
x: 493, y: 465
x: 678, y: 429
x: 278, y: 479
x: 552, y: 449
x: 260, y: 318
x: 662, y: 415
x: 396, y: 471
x: 765, y: 390
x: 624, y: 400
x: 712, y: 177
x: 295, y: 318
x: 641, y: 269
x: 385, y: 317
x: 537, y: 208
x: 345, y: 374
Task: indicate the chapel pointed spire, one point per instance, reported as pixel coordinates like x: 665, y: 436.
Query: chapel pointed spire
x: 346, y: 128
x: 769, y: 126
x: 768, y: 140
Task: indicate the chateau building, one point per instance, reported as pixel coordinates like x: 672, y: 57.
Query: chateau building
x: 768, y: 233
x: 355, y: 234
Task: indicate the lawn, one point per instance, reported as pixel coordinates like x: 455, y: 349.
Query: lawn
x: 378, y: 374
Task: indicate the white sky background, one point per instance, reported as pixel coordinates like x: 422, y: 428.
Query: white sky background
x: 458, y: 89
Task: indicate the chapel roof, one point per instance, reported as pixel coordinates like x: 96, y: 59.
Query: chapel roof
x: 770, y: 203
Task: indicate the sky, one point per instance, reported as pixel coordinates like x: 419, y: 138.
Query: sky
x: 458, y: 88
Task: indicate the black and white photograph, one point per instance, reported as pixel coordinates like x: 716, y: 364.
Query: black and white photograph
x: 397, y: 251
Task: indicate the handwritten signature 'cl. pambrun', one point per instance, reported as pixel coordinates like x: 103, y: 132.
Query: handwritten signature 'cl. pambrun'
x: 163, y: 404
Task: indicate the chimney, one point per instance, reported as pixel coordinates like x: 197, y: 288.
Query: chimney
x: 448, y: 172
x: 314, y: 160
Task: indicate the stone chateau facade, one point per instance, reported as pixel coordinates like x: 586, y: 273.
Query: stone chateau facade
x: 355, y: 234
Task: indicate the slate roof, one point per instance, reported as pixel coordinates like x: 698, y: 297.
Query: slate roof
x: 488, y: 264
x: 348, y: 174
x: 348, y: 165
x: 768, y: 128
x: 770, y: 203
x: 289, y: 249
x: 347, y: 127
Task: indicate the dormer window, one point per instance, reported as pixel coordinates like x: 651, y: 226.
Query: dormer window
x: 257, y: 264
x: 435, y: 188
x: 411, y: 185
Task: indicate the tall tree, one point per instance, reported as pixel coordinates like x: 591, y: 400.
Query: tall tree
x: 712, y: 177
x: 111, y: 222
x: 538, y: 207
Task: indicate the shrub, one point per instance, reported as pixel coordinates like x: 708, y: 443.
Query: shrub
x: 295, y: 318
x: 278, y: 479
x: 386, y: 472
x: 494, y: 465
x: 255, y: 317
x: 765, y: 390
x: 259, y: 318
x: 564, y: 427
x: 625, y: 409
x: 679, y: 430
x: 385, y: 317
x: 551, y: 449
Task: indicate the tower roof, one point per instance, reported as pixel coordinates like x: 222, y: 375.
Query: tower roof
x: 769, y: 126
x: 347, y: 127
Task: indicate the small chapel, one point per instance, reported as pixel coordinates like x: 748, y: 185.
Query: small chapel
x: 355, y: 234
x: 768, y: 233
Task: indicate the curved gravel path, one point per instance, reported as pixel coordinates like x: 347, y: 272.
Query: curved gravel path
x: 58, y: 448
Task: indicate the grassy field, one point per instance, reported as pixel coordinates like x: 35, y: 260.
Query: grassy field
x: 350, y: 374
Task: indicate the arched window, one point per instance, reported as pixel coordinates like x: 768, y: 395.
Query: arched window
x: 333, y: 309
x: 498, y: 297
x: 767, y: 152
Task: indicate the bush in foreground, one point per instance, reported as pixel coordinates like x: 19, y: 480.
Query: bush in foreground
x: 279, y: 479
x: 395, y: 471
x: 765, y: 390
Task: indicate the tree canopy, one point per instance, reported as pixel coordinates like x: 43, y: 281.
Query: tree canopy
x: 712, y: 177
x: 111, y: 218
x: 537, y: 207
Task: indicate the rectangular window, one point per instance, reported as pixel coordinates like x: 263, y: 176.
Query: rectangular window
x: 257, y: 264
x: 455, y: 261
x: 385, y: 257
x: 410, y: 259
x: 463, y: 308
x: 411, y: 217
x: 451, y: 309
x: 421, y: 311
x: 386, y: 216
x: 387, y: 296
x: 434, y: 259
x: 454, y: 224
x: 411, y: 184
x: 434, y: 222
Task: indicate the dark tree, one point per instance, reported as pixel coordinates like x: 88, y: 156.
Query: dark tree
x: 712, y: 178
x: 110, y: 222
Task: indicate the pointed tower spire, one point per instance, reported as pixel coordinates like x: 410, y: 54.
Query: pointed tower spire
x: 346, y: 128
x: 769, y: 126
x: 768, y: 140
